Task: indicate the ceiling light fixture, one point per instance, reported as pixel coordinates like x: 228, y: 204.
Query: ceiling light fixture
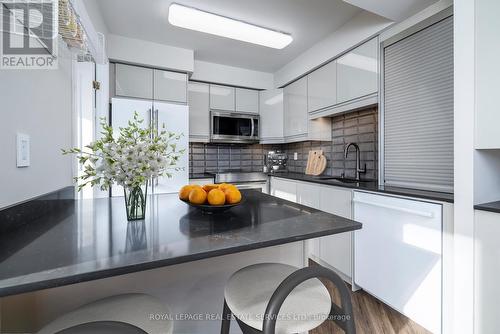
x: 195, y: 19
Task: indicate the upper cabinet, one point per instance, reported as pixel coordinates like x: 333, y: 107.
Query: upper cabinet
x: 222, y: 97
x: 199, y: 112
x: 133, y: 81
x: 487, y: 72
x: 147, y: 83
x: 170, y: 86
x: 322, y: 87
x: 234, y: 99
x: 347, y: 83
x: 271, y: 116
x: 247, y: 100
x: 295, y: 106
x: 357, y: 72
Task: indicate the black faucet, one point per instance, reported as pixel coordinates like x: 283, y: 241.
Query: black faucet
x: 358, y: 169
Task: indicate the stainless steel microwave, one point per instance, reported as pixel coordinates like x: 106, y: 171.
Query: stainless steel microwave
x: 231, y: 127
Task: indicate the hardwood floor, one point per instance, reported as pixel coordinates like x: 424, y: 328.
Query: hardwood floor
x: 371, y: 316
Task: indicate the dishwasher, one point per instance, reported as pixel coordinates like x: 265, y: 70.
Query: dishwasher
x: 398, y: 255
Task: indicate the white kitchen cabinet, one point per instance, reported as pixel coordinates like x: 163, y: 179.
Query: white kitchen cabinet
x: 199, y: 112
x: 398, y: 255
x: 296, y: 115
x: 222, y: 97
x: 336, y: 250
x: 308, y: 194
x: 133, y: 81
x: 247, y: 100
x: 322, y: 87
x: 271, y: 116
x: 357, y: 72
x: 486, y: 271
x: 487, y: 72
x: 170, y: 86
x: 284, y: 189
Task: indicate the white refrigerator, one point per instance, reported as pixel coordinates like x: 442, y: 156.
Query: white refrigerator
x: 176, y: 119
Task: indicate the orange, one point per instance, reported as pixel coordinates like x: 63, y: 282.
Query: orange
x: 225, y: 186
x: 233, y: 195
x: 208, y: 187
x: 197, y: 195
x: 184, y: 192
x: 216, y: 197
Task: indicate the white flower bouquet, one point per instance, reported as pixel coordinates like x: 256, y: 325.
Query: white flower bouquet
x: 132, y: 159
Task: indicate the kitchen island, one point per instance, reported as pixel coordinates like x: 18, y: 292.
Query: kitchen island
x: 84, y: 240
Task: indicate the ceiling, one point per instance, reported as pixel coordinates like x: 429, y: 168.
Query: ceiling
x: 395, y: 11
x: 308, y: 21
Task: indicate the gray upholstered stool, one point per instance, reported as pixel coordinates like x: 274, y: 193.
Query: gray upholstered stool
x: 125, y: 314
x: 277, y: 298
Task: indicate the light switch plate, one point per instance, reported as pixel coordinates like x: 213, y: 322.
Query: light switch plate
x: 295, y: 156
x: 23, y: 150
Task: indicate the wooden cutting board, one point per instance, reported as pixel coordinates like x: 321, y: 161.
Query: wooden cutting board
x: 316, y: 162
x: 320, y: 167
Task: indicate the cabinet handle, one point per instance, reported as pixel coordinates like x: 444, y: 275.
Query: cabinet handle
x: 395, y: 208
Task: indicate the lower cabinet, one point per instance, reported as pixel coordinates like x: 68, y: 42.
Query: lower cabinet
x: 284, y: 189
x: 486, y: 271
x: 336, y: 250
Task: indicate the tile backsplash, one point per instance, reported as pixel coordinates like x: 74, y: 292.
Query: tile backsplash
x: 219, y: 157
x: 360, y: 127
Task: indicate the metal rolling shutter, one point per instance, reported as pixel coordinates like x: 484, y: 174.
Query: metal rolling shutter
x: 418, y: 109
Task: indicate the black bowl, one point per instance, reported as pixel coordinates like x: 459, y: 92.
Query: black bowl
x: 207, y: 208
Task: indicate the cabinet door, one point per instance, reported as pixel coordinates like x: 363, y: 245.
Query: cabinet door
x: 296, y: 115
x: 322, y: 87
x: 199, y: 112
x: 487, y: 273
x: 170, y: 86
x: 308, y: 194
x: 247, y: 100
x: 133, y: 81
x: 222, y: 97
x: 271, y: 116
x: 336, y: 250
x: 357, y: 72
x: 284, y: 189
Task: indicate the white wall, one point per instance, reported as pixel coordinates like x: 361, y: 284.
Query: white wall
x: 229, y: 75
x: 95, y: 16
x: 142, y: 52
x: 361, y: 27
x: 37, y: 103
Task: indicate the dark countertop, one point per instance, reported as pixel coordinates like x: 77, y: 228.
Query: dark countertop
x: 82, y: 240
x: 370, y: 186
x: 492, y: 207
x: 193, y: 176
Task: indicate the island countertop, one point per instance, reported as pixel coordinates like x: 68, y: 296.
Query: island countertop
x: 85, y: 240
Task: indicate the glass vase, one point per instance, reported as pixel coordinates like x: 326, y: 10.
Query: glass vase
x: 135, y: 202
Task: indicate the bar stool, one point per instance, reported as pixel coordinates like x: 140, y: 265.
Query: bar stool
x: 274, y: 298
x: 121, y: 314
